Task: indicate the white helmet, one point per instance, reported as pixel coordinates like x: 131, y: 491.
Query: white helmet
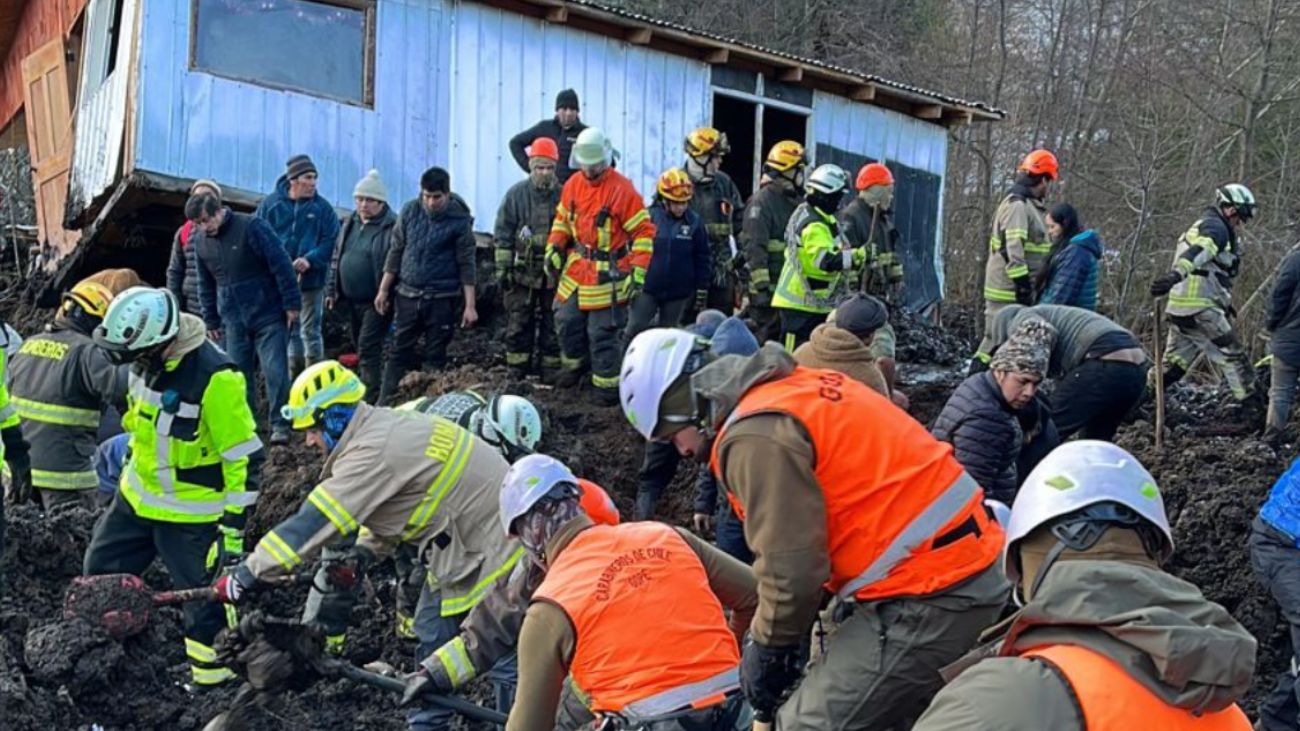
x: 1079, y: 475
x: 528, y: 481
x: 510, y: 421
x: 1238, y: 196
x: 654, y: 360
x: 829, y: 179
x: 138, y: 319
x: 592, y: 148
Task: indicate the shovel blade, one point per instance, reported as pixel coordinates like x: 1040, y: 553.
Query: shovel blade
x: 117, y: 603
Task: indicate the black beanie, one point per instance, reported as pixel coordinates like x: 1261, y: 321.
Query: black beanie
x: 567, y: 99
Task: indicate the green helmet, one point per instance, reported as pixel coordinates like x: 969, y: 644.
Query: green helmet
x: 138, y: 319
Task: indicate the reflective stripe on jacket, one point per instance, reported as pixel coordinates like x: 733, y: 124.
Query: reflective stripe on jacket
x: 1208, y: 256
x: 604, y: 232
x: 1018, y: 246
x: 8, y: 414
x: 191, y: 437
x: 522, y: 226
x: 813, y: 277
x: 59, y: 382
x: 872, y: 228
x: 762, y: 234
x: 1111, y: 700
x: 615, y: 582
x: 903, y: 518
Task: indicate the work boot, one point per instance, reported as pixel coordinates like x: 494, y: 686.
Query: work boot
x: 280, y: 434
x: 568, y: 378
x: 604, y: 397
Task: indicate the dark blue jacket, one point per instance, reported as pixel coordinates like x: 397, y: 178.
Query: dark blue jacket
x: 1284, y: 312
x: 432, y: 254
x: 306, y: 227
x: 984, y: 433
x: 1072, y: 280
x: 245, y: 275
x: 680, y: 265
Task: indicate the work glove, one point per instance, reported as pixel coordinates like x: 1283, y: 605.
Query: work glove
x: 21, y: 489
x: 767, y: 674
x: 1024, y: 291
x: 701, y: 299
x: 552, y: 263
x: 1161, y: 285
x: 234, y: 585
x: 346, y: 573
x: 424, y: 680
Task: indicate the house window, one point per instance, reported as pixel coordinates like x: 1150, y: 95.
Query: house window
x: 310, y: 46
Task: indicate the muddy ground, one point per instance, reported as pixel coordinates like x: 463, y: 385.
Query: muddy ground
x: 56, y: 674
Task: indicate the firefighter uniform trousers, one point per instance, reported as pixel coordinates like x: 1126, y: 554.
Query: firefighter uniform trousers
x: 592, y: 339
x: 1209, y: 332
x: 530, y: 327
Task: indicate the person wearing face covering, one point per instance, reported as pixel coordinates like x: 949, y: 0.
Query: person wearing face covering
x: 868, y: 222
x: 604, y: 587
x: 1106, y: 639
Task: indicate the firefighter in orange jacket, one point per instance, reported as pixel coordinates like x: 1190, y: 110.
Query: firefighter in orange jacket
x: 633, y: 612
x: 885, y: 520
x: 599, y: 248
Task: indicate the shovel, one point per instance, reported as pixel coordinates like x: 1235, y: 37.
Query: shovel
x: 384, y: 682
x: 121, y: 604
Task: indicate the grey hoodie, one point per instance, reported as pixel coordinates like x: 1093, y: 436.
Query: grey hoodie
x: 1160, y: 629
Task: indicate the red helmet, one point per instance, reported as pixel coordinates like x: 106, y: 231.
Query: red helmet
x: 544, y: 147
x: 874, y: 173
x: 1039, y: 162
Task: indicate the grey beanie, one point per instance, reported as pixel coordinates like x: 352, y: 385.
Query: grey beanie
x: 299, y: 165
x: 860, y: 314
x: 370, y: 186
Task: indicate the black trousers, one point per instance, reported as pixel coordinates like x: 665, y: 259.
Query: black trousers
x: 369, y: 330
x: 125, y: 543
x: 1093, y: 398
x: 797, y: 326
x: 434, y: 318
x: 1276, y: 562
x: 657, y: 471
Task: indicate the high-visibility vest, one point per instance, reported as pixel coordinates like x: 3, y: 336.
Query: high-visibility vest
x: 903, y: 517
x: 1111, y: 700
x: 651, y: 636
x: 803, y: 285
x: 596, y: 503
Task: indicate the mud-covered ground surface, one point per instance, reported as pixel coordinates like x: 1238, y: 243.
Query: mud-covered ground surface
x: 58, y: 674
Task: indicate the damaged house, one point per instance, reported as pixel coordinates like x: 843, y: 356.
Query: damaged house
x: 124, y: 103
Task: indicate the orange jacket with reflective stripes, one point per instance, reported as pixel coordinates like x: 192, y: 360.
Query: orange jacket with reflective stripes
x: 597, y: 504
x: 605, y: 235
x: 651, y: 637
x: 1111, y: 700
x: 903, y: 517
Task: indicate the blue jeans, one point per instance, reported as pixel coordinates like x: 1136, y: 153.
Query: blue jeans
x: 730, y: 534
x: 433, y: 631
x: 263, y: 346
x: 305, y: 335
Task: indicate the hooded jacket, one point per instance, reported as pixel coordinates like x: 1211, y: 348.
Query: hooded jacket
x: 984, y: 433
x: 1160, y: 629
x: 357, y: 264
x: 1073, y: 275
x: 834, y: 348
x: 307, y: 227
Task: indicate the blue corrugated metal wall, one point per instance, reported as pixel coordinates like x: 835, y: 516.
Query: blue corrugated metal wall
x: 506, y: 70
x: 195, y: 125
x: 884, y: 135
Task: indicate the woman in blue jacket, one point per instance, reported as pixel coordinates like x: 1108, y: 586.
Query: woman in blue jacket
x: 1070, y: 277
x: 679, y: 266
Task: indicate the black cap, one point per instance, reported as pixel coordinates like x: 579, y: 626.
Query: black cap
x: 567, y: 99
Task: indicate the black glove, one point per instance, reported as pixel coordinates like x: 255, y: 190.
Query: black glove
x: 1161, y: 285
x: 767, y: 674
x: 21, y: 490
x: 1024, y: 291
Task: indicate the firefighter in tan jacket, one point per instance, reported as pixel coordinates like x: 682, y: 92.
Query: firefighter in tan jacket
x: 406, y: 478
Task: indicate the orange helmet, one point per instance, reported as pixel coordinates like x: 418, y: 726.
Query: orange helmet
x: 1039, y: 162
x: 785, y: 155
x: 874, y: 173
x: 675, y: 185
x: 544, y: 147
x: 706, y: 140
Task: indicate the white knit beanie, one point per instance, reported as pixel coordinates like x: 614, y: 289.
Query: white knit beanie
x: 371, y: 186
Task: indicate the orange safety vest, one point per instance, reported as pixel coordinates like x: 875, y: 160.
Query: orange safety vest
x: 903, y: 517
x: 1112, y: 700
x: 595, y: 502
x: 651, y: 636
x: 605, y: 232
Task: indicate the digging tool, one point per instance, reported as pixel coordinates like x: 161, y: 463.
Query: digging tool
x: 384, y: 682
x: 1160, y: 378
x: 121, y: 604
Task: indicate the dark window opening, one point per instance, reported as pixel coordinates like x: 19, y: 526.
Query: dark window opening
x: 778, y: 125
x: 320, y: 48
x: 736, y: 118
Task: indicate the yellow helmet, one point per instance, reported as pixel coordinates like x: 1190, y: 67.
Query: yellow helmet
x: 92, y: 297
x: 705, y: 140
x: 320, y: 386
x: 675, y: 185
x: 785, y: 155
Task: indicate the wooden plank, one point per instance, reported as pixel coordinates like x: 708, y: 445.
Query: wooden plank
x: 928, y: 111
x: 863, y: 93
x: 639, y: 36
x: 717, y: 56
x: 49, y: 136
x: 791, y: 75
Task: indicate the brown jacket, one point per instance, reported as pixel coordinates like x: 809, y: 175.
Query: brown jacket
x: 547, y: 640
x: 837, y: 349
x: 408, y: 478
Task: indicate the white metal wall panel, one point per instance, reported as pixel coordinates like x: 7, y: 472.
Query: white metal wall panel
x: 506, y: 71
x: 100, y: 116
x: 195, y: 125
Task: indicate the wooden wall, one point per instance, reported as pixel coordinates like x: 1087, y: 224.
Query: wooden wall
x: 41, y: 21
